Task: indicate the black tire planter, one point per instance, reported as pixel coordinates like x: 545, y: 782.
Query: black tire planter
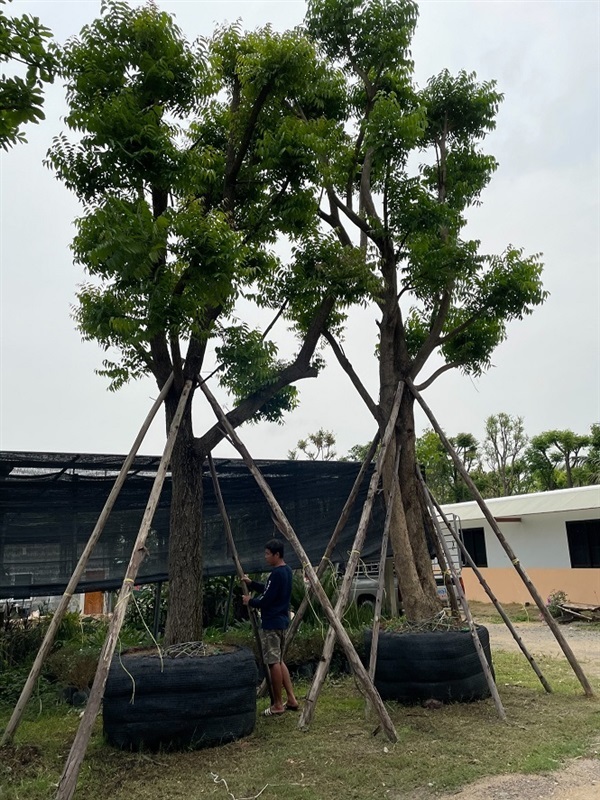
x: 441, y: 665
x: 182, y: 702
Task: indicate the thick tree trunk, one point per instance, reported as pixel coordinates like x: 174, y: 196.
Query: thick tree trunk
x: 184, y: 617
x: 412, y: 561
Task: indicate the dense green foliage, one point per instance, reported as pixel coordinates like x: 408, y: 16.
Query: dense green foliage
x: 23, y: 42
x: 192, y: 161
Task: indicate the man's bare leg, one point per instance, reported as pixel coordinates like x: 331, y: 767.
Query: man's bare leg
x: 287, y: 685
x: 277, y: 684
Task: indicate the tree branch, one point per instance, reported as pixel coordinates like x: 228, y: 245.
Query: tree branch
x: 436, y: 375
x: 235, y: 161
x: 433, y: 337
x: 300, y: 368
x: 349, y: 370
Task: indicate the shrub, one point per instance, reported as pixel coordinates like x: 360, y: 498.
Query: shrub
x: 555, y: 600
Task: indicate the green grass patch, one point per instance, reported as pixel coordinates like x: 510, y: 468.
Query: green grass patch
x: 486, y: 613
x: 339, y: 756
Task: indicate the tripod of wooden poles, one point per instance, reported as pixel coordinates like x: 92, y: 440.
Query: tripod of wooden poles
x: 364, y: 677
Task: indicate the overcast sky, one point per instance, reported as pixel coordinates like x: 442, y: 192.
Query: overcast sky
x: 544, y: 198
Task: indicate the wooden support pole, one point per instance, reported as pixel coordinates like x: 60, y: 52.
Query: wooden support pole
x: 380, y: 586
x: 326, y: 558
x: 59, y: 614
x: 68, y: 781
x: 464, y: 604
x: 345, y: 588
x: 283, y: 524
x: 552, y: 624
x: 486, y: 587
x: 240, y: 573
x: 341, y: 523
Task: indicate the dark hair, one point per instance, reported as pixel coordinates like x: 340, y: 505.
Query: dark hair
x: 275, y: 546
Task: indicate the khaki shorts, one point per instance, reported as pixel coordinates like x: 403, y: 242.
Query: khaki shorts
x: 272, y: 644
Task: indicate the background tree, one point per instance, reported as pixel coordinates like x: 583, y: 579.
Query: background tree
x: 557, y: 458
x: 504, y: 449
x: 400, y: 172
x: 592, y: 461
x: 358, y: 452
x: 467, y: 447
x: 436, y: 466
x: 319, y: 446
x: 24, y: 41
x: 189, y: 163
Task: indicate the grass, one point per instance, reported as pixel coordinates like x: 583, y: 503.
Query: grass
x: 441, y: 749
x: 486, y: 613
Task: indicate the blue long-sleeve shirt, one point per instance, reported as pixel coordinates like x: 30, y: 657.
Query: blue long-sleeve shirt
x: 274, y: 599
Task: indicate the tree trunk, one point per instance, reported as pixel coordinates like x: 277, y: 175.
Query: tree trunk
x: 407, y: 533
x: 184, y: 616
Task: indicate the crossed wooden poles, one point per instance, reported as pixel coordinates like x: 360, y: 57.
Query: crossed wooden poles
x: 364, y: 678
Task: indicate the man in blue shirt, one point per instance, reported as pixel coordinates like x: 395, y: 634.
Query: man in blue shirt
x: 274, y: 604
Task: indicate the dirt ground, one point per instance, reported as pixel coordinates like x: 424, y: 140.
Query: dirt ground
x: 579, y: 779
x: 583, y: 639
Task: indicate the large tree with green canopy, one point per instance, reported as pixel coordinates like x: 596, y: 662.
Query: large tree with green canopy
x: 189, y: 163
x: 399, y: 174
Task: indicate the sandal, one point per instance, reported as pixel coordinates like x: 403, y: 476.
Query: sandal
x: 288, y: 707
x: 268, y: 712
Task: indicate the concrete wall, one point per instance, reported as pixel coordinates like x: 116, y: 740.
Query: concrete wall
x: 580, y: 585
x: 540, y: 543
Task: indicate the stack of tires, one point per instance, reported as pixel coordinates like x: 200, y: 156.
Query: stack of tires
x: 441, y: 665
x: 175, y: 703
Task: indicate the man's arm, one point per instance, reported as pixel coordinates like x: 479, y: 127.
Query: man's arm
x: 269, y: 596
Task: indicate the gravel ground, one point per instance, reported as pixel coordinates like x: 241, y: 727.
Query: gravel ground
x: 579, y: 779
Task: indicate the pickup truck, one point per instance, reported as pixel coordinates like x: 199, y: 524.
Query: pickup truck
x: 366, y: 578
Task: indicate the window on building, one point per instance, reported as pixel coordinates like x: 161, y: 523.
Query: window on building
x: 584, y: 543
x: 474, y: 539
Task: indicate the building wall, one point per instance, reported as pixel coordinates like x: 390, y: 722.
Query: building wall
x: 539, y: 540
x: 580, y: 585
x: 540, y: 543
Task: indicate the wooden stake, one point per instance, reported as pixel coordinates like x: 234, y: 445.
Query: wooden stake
x: 382, y: 561
x: 380, y: 585
x: 58, y: 615
x: 345, y: 588
x: 68, y: 781
x: 552, y: 624
x: 326, y: 558
x: 465, y: 606
x: 240, y: 573
x: 341, y: 523
x: 362, y: 677
x: 467, y: 556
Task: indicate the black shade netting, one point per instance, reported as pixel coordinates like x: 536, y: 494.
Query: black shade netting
x: 50, y: 503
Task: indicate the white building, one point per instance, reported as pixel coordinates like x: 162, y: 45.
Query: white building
x: 555, y: 535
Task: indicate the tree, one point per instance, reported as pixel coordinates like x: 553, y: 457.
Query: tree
x: 557, y: 457
x: 23, y: 40
x: 399, y: 172
x: 504, y: 448
x: 436, y: 466
x: 319, y: 446
x: 358, y: 452
x: 440, y: 473
x: 592, y: 461
x: 189, y: 163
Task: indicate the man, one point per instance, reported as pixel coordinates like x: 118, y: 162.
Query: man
x: 274, y: 605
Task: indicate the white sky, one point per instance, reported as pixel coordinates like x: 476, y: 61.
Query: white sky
x: 544, y: 197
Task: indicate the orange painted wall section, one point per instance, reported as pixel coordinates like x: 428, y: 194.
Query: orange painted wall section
x: 580, y: 585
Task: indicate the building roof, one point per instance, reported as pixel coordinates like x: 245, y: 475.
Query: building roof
x: 580, y: 499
